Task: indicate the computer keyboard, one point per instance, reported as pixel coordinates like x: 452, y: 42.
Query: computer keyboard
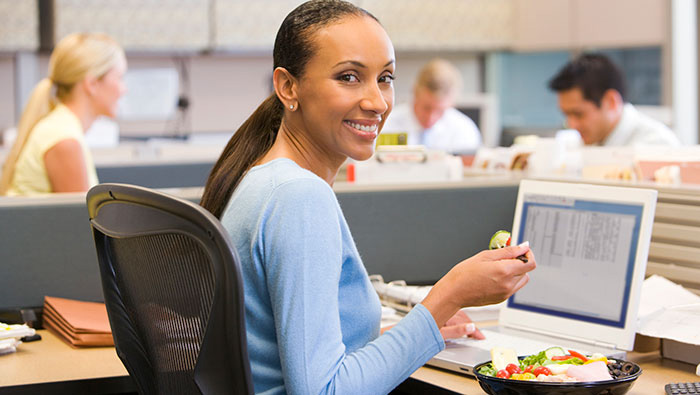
x: 682, y: 388
x: 521, y: 345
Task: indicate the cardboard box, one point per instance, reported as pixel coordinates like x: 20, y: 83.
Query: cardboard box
x: 646, y: 343
x: 678, y: 351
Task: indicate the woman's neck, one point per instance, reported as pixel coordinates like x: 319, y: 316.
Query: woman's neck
x: 82, y: 109
x: 297, y: 147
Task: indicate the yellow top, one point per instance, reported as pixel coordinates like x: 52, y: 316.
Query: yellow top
x: 30, y: 176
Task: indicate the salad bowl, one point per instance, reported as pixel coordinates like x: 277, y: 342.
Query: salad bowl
x: 500, y: 386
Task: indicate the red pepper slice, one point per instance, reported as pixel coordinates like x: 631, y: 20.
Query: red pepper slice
x: 562, y: 357
x: 578, y: 355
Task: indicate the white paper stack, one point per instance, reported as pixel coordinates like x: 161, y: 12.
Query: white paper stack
x: 669, y: 311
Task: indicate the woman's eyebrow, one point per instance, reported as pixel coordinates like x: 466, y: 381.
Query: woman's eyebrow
x: 360, y: 64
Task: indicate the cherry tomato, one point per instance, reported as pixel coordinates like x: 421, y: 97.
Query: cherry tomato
x: 503, y: 374
x: 542, y: 370
x: 528, y: 368
x: 578, y: 355
x: 513, y: 368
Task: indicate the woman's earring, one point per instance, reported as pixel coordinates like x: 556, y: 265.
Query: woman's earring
x: 291, y: 106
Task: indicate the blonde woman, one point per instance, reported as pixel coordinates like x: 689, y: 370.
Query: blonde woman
x: 50, y: 153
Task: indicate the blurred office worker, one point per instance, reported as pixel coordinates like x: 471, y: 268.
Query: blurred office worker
x: 431, y: 119
x: 591, y: 94
x: 85, y: 81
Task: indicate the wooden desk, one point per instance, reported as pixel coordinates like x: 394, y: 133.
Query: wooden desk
x: 52, y: 366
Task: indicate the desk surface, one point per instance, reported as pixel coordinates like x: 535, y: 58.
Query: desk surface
x: 53, y: 361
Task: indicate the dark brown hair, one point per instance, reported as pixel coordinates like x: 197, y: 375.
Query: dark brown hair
x: 292, y: 51
x: 593, y: 73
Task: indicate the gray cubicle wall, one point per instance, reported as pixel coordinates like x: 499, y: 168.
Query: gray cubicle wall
x: 417, y: 235
x: 161, y: 175
x: 409, y: 233
x: 46, y: 248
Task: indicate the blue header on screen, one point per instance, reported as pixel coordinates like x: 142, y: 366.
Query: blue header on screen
x: 600, y: 207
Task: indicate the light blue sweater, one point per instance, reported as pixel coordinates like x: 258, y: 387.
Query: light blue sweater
x: 312, y: 315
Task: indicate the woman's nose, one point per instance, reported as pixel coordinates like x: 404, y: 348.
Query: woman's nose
x: 374, y: 100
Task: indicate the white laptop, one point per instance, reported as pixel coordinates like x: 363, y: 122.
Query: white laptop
x: 591, y: 244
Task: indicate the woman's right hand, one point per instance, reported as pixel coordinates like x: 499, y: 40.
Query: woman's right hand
x: 488, y: 277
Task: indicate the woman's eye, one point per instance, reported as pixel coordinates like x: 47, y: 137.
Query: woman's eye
x: 348, y: 78
x: 387, y: 78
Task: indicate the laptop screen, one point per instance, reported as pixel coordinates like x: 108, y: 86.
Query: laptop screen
x: 585, y: 250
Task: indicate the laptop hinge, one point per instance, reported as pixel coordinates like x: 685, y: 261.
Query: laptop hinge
x: 541, y: 332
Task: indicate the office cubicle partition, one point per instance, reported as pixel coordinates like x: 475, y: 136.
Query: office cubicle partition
x: 413, y: 233
x: 418, y: 233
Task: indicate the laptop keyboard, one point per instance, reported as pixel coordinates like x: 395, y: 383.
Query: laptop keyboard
x: 521, y: 345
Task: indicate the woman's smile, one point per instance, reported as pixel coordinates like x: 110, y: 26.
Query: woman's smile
x: 364, y: 128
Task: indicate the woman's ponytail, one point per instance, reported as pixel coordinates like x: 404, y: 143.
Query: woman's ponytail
x: 247, y: 145
x: 40, y: 103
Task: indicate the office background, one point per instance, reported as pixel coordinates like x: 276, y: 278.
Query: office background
x: 217, y: 54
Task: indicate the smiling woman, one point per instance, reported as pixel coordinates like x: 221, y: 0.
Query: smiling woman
x: 312, y: 315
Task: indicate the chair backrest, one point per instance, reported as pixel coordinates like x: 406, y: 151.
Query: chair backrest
x: 173, y: 290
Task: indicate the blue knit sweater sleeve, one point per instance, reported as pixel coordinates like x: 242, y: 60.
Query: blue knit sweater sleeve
x: 301, y: 240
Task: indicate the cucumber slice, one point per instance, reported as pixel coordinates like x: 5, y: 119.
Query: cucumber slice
x: 554, y: 352
x: 499, y: 239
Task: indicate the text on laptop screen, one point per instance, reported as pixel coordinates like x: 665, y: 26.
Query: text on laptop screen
x: 585, y: 251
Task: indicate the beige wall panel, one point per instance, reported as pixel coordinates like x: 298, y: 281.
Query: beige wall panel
x: 7, y: 93
x: 249, y: 25
x: 619, y: 23
x: 542, y: 24
x: 19, y: 25
x: 138, y: 24
x: 445, y: 24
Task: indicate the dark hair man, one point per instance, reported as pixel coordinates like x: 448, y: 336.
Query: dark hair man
x: 591, y: 94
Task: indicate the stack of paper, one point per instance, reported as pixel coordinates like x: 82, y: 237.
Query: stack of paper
x: 669, y: 311
x: 78, y: 323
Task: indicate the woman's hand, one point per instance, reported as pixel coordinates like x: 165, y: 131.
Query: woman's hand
x: 488, y: 277
x: 460, y: 325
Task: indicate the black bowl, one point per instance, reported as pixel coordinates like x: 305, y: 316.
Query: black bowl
x: 498, y: 386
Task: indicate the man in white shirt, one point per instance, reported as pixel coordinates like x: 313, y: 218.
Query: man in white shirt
x: 591, y: 94
x: 430, y: 120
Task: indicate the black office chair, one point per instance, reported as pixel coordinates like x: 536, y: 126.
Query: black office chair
x: 173, y: 289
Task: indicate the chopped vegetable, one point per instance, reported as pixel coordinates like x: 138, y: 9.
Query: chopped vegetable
x: 499, y: 239
x: 542, y: 370
x: 578, y: 355
x: 513, y: 368
x: 554, y: 365
x: 591, y: 360
x: 554, y: 352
